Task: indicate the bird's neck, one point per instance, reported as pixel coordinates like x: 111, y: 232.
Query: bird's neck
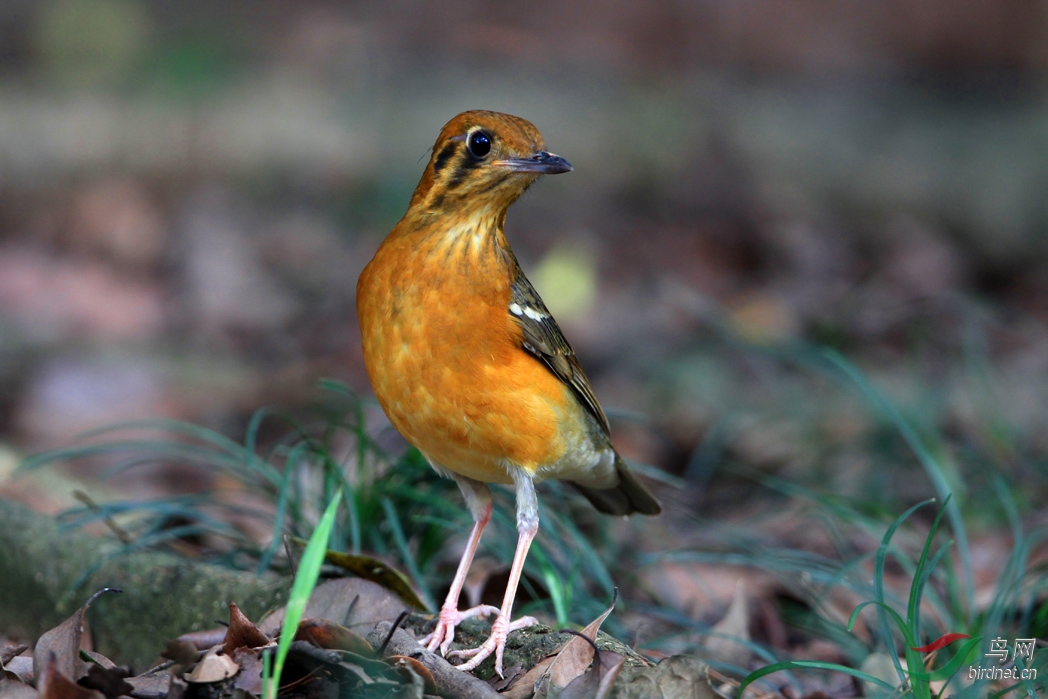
x: 464, y: 230
x: 471, y: 242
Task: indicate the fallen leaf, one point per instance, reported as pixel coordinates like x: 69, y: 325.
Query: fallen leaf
x: 110, y: 681
x: 98, y: 659
x: 155, y: 685
x: 249, y: 678
x: 325, y: 633
x: 13, y: 689
x: 202, y: 640
x: 411, y: 669
x: 575, y: 657
x: 21, y: 667
x: 512, y: 674
x: 179, y: 688
x: 540, y: 677
x: 525, y: 687
x: 347, y: 601
x: 376, y: 571
x: 728, y: 638
x: 184, y: 653
x: 241, y: 632
x: 358, y: 672
x: 215, y: 666
x: 8, y: 652
x: 676, y: 677
x: 597, y: 682
x: 52, y: 684
x: 611, y: 664
x: 62, y: 643
x: 698, y: 588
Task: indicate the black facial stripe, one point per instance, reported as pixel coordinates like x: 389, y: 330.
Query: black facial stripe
x: 495, y: 182
x: 443, y: 157
x: 462, y: 167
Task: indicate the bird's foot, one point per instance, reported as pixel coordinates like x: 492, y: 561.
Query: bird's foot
x: 449, y: 618
x: 496, y: 643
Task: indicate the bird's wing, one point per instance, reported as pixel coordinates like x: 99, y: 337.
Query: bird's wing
x: 543, y: 338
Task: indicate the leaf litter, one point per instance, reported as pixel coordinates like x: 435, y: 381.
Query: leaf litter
x: 329, y: 657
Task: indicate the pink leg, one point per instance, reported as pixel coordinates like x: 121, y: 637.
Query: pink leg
x: 450, y: 616
x: 527, y: 526
x: 500, y: 630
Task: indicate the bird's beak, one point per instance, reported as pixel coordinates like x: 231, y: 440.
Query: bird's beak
x: 542, y: 163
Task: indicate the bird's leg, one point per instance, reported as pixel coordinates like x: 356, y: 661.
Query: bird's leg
x: 478, y: 499
x: 527, y: 526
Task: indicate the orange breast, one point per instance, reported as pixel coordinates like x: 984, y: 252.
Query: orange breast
x: 445, y: 358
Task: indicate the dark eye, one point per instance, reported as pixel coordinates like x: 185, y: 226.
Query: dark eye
x: 479, y: 144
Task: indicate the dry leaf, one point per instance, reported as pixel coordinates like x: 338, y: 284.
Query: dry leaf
x: 63, y: 643
x: 99, y: 659
x: 597, y: 682
x: 250, y: 677
x: 325, y: 633
x: 202, y: 640
x: 215, y: 666
x: 525, y: 687
x: 378, y: 572
x: 8, y: 652
x: 577, y: 655
x: 727, y: 638
x: 52, y: 684
x: 611, y: 664
x: 347, y: 601
x: 184, y: 653
x: 156, y: 685
x: 676, y: 677
x: 13, y: 689
x: 510, y: 677
x: 21, y: 667
x: 110, y: 681
x: 697, y: 588
x: 241, y: 632
x: 410, y: 668
x: 574, y: 658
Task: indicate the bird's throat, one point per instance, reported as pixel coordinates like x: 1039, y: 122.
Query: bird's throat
x: 472, y: 248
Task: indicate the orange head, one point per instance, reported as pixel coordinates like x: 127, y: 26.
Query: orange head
x: 486, y: 159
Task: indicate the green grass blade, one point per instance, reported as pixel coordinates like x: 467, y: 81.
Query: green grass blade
x: 809, y: 664
x: 899, y: 621
x: 913, y: 608
x: 878, y: 590
x: 405, y: 553
x: 305, y: 581
x: 278, y: 521
x: 353, y: 508
x: 932, y: 468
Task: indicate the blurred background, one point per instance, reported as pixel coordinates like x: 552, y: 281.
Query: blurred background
x: 188, y: 192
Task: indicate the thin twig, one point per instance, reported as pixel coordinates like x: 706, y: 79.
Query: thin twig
x: 117, y: 530
x: 290, y: 557
x: 392, y: 630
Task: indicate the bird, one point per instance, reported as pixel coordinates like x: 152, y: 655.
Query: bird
x: 470, y: 366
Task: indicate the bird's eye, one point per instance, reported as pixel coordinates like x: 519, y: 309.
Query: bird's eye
x: 479, y: 144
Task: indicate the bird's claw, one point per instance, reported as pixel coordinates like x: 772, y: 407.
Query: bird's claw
x: 496, y: 644
x: 450, y: 617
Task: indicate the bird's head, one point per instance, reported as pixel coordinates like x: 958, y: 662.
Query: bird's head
x: 484, y: 160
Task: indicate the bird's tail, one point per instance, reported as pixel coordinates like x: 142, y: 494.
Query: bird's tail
x: 628, y: 497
